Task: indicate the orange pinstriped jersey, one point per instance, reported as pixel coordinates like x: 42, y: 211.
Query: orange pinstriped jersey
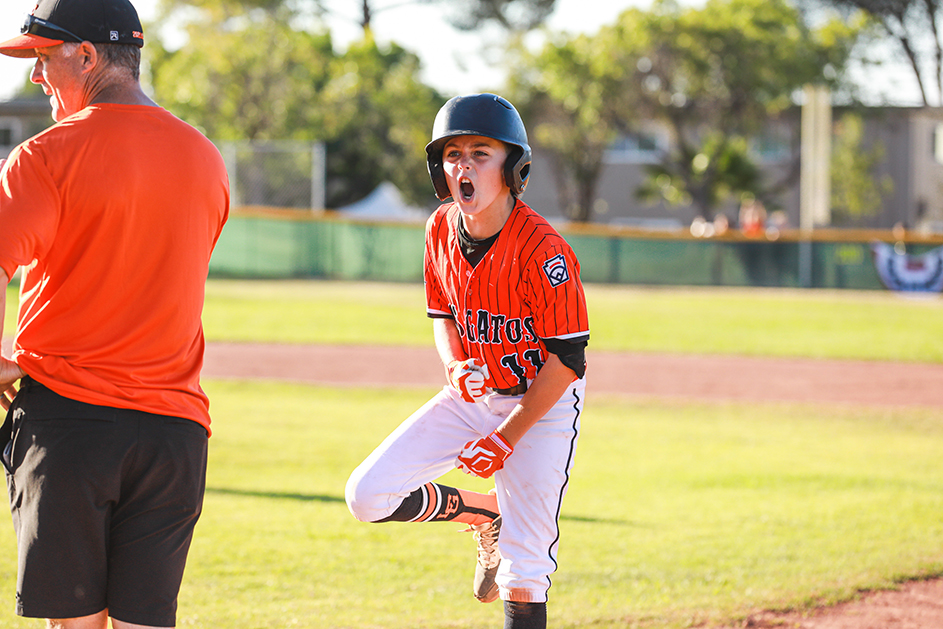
x: 526, y: 289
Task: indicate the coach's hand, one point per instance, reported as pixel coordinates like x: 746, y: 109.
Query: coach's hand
x: 468, y: 378
x: 10, y: 372
x: 485, y: 456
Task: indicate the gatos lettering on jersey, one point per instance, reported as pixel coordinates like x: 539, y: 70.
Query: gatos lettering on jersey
x: 481, y: 326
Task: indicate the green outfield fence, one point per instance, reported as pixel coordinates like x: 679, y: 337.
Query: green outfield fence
x: 272, y: 244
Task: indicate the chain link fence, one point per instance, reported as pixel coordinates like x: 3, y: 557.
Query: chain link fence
x: 279, y: 174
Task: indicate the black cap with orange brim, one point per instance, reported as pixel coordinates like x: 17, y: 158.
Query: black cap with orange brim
x: 53, y: 22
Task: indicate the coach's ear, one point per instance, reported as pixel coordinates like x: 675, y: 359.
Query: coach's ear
x: 88, y: 56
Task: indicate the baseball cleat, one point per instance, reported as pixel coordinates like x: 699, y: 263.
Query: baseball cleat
x: 484, y: 587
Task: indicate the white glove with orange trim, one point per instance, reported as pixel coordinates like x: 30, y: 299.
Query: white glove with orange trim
x: 468, y: 378
x: 485, y: 456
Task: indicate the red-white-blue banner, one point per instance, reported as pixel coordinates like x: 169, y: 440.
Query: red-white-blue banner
x: 906, y: 272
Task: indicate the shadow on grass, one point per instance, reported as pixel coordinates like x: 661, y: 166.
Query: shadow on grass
x: 248, y: 493
x: 277, y: 495
x: 585, y: 520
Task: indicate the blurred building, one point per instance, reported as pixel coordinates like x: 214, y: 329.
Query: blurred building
x: 21, y: 120
x: 912, y: 141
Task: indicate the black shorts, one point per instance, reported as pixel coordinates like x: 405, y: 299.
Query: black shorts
x: 104, y: 502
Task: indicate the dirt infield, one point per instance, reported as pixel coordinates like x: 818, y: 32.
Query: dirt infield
x: 645, y: 375
x: 916, y: 605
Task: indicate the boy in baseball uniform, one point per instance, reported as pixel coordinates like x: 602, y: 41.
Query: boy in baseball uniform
x: 510, y: 325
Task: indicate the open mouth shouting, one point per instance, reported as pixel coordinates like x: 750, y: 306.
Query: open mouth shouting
x: 466, y: 189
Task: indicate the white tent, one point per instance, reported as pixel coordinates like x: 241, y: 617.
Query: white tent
x: 383, y: 204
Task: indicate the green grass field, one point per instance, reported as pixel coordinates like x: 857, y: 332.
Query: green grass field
x: 761, y: 322
x: 679, y: 514
x: 820, y: 324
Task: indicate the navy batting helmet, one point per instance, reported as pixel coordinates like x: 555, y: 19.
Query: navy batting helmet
x: 486, y: 115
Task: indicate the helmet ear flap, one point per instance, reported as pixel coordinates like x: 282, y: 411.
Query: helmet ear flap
x: 437, y: 175
x: 517, y: 169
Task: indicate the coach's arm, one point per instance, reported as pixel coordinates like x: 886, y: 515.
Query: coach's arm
x: 10, y: 372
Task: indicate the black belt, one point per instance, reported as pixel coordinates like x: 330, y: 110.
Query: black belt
x: 520, y: 389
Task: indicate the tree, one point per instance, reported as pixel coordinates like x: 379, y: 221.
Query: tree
x: 219, y: 10
x: 858, y: 191
x: 254, y: 80
x: 512, y: 15
x: 469, y: 15
x: 713, y: 75
x: 916, y: 26
x: 379, y: 118
x: 704, y: 176
x: 259, y: 76
x: 565, y: 91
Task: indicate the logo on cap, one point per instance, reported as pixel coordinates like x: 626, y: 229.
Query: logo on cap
x: 113, y: 35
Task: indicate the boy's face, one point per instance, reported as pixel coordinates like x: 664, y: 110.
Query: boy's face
x: 474, y: 170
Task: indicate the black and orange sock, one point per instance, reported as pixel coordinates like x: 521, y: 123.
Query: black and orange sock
x: 434, y: 503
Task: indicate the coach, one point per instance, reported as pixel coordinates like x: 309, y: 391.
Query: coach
x: 112, y: 215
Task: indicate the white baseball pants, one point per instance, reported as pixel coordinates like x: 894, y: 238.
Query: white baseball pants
x: 530, y: 487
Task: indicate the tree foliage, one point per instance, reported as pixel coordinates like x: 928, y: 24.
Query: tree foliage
x: 707, y: 175
x: 566, y: 91
x: 715, y: 76
x: 220, y: 10
x: 468, y: 15
x: 916, y: 26
x: 379, y: 117
x: 513, y: 15
x: 258, y: 80
x: 712, y: 74
x: 257, y: 75
x: 857, y: 189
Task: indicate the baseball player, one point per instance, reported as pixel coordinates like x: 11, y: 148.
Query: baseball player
x: 510, y: 325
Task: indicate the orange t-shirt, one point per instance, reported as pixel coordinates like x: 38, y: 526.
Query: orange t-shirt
x: 114, y: 213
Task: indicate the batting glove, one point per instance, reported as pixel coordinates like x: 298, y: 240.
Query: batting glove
x: 485, y: 456
x: 468, y: 378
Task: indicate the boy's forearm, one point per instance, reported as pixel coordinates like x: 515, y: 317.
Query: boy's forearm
x: 447, y: 341
x: 546, y: 389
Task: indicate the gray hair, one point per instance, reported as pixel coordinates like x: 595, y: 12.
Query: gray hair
x: 118, y: 56
x: 125, y: 56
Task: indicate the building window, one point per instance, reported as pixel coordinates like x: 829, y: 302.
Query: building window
x: 771, y: 146
x: 641, y: 147
x: 10, y: 132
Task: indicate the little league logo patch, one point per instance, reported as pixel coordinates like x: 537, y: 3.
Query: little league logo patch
x: 556, y: 271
